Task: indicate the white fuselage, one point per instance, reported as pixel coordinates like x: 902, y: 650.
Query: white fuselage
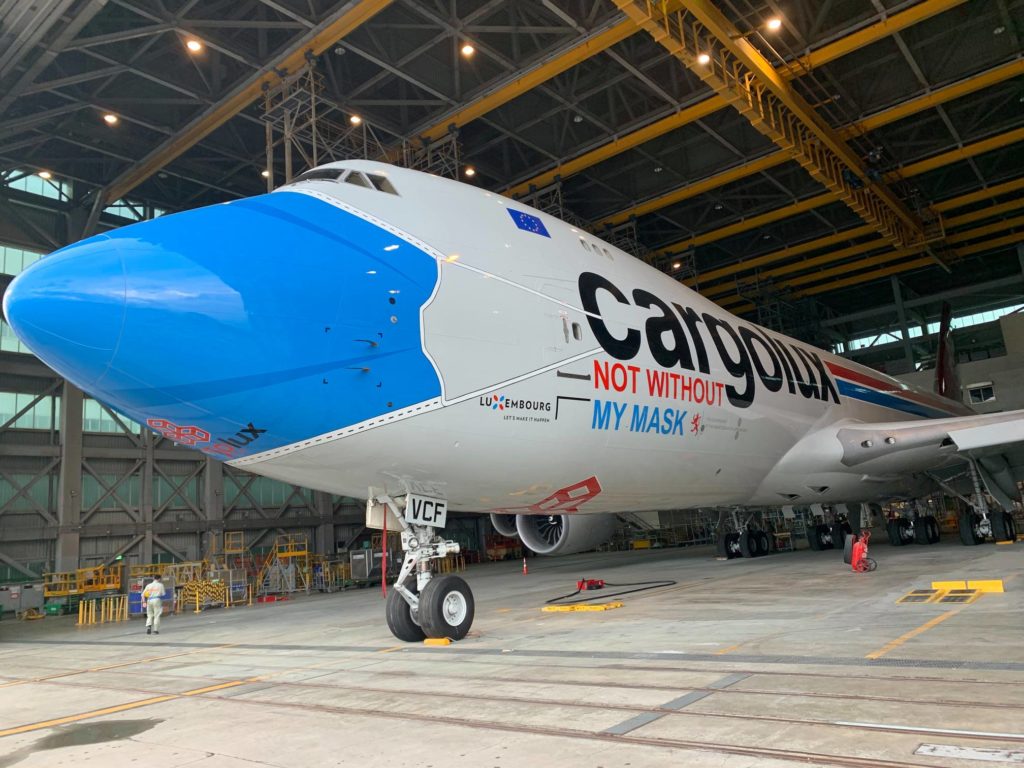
x: 550, y: 379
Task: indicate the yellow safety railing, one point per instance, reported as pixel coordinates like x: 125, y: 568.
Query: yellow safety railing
x: 60, y: 584
x: 103, y: 610
x: 100, y: 578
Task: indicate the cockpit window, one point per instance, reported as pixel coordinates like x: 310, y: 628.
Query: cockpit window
x: 355, y: 177
x: 382, y: 183
x: 320, y: 174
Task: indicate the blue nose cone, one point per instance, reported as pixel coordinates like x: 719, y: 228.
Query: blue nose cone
x: 263, y: 323
x: 69, y: 308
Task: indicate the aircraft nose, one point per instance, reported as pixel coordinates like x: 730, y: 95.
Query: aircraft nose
x: 239, y: 327
x: 69, y: 308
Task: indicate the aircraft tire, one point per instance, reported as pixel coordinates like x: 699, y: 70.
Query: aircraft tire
x: 967, y: 522
x: 748, y: 544
x: 764, y: 542
x: 725, y: 545
x: 933, y: 529
x: 839, y: 531
x: 922, y: 531
x: 446, y: 607
x: 399, y: 616
x: 848, y: 548
x: 812, y: 538
x: 1003, y: 527
x: 893, y: 531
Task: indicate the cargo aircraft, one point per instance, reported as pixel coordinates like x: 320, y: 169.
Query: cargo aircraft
x: 374, y: 331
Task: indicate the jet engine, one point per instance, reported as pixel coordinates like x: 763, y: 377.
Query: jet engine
x: 564, y: 534
x: 504, y: 524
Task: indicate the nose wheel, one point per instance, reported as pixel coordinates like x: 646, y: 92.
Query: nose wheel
x: 421, y: 605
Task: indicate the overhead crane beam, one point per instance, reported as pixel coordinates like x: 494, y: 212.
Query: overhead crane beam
x: 717, y: 293
x: 928, y: 100
x: 828, y: 52
x: 887, y: 257
x: 970, y: 150
x: 316, y: 41
x: 578, y: 51
x: 738, y: 72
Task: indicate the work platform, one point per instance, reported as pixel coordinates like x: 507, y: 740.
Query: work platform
x: 785, y: 660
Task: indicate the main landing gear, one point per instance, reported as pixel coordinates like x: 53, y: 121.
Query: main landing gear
x: 746, y: 541
x: 422, y: 604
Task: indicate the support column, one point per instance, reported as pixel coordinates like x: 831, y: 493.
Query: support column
x: 901, y: 314
x: 69, y: 503
x: 146, y: 500
x: 325, y: 543
x: 213, y: 500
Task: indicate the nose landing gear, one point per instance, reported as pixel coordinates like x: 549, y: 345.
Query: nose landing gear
x: 420, y: 604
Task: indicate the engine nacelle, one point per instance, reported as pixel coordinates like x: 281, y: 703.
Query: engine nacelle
x: 504, y: 524
x: 564, y: 534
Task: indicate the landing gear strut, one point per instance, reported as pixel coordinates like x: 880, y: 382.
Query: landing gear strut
x: 421, y: 604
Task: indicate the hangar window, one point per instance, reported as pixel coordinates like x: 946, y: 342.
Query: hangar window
x: 981, y: 392
x: 321, y: 174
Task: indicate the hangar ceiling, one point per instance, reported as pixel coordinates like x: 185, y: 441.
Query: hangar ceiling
x: 574, y: 105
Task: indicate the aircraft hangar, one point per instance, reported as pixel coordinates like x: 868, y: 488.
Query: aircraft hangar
x: 845, y: 173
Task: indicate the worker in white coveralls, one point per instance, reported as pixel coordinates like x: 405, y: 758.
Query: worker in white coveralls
x: 153, y: 597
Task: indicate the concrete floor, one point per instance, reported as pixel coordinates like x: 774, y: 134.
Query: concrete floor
x: 742, y: 663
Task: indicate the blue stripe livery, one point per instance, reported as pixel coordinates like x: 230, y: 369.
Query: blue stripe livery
x: 280, y: 305
x: 860, y: 392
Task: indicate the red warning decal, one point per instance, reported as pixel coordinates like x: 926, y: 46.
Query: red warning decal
x: 568, y: 499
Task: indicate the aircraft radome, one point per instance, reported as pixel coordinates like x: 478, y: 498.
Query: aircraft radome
x: 377, y: 332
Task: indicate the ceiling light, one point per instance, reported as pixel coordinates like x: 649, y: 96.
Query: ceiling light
x: 470, y: 171
x: 577, y: 118
x: 676, y: 265
x: 718, y: 206
x: 194, y: 45
x: 110, y: 118
x: 998, y: 30
x: 703, y: 58
x: 265, y: 173
x: 468, y: 50
x: 355, y: 119
x: 45, y: 175
x: 774, y: 24
x: 658, y: 169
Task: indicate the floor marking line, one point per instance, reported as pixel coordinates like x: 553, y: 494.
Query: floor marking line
x: 730, y: 649
x: 118, y: 708
x: 114, y: 666
x: 922, y: 729
x: 971, y: 753
x: 392, y: 649
x: 910, y: 635
x: 86, y: 715
x: 638, y: 721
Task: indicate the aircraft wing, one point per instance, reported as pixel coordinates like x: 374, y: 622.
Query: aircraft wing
x: 918, y: 445
x: 885, y: 449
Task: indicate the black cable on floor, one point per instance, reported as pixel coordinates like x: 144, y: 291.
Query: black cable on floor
x: 642, y: 586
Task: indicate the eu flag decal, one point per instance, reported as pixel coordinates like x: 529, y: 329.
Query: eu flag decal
x: 528, y: 223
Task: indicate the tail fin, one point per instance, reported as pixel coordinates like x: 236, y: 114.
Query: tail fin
x: 946, y: 383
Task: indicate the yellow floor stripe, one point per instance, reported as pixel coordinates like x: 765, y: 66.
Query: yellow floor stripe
x: 730, y: 649
x: 85, y: 715
x: 118, y: 708
x: 116, y: 666
x: 910, y: 635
